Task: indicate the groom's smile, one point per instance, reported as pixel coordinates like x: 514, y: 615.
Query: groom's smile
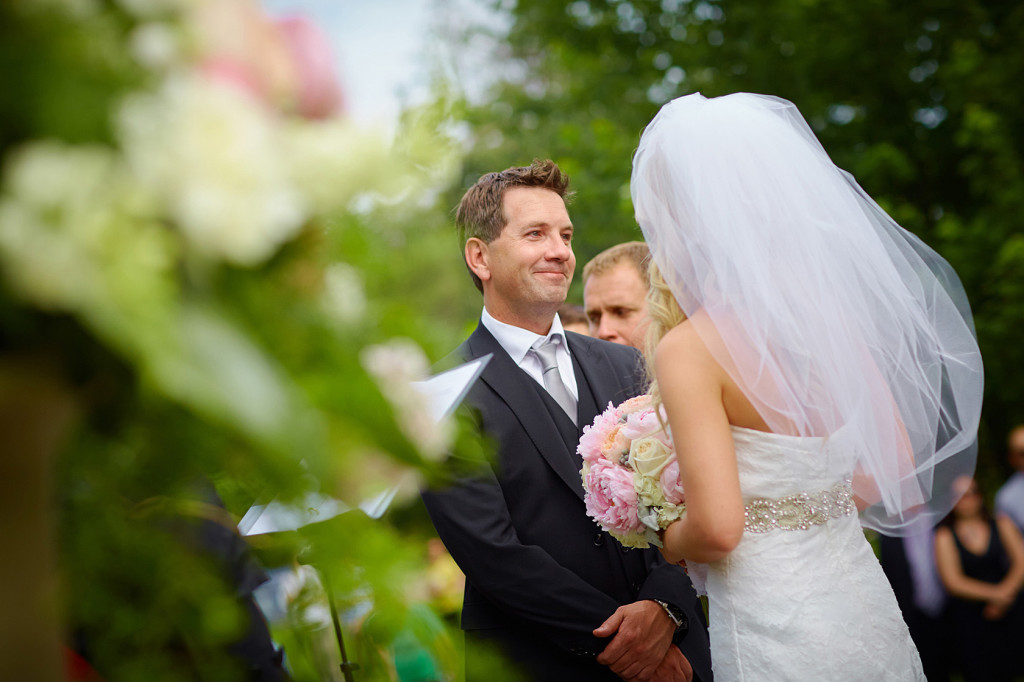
x: 531, y: 263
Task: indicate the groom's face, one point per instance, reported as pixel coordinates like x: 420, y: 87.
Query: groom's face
x: 531, y: 263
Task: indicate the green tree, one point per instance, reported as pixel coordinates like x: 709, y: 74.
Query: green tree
x: 918, y: 100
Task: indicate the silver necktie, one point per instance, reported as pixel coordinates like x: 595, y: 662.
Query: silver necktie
x: 552, y: 379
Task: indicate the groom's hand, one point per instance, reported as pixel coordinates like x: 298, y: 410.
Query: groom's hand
x: 643, y: 633
x: 673, y: 668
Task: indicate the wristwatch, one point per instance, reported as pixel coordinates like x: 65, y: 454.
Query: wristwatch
x: 675, y: 613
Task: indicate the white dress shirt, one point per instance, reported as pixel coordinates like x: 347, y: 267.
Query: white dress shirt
x: 517, y: 342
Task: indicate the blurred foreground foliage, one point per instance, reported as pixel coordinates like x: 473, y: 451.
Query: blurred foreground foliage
x: 919, y: 101
x: 207, y: 301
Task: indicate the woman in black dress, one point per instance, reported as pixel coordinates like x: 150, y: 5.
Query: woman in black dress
x: 981, y: 563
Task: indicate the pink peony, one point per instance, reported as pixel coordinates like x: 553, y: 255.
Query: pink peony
x: 641, y: 425
x: 670, y: 483
x: 286, y: 63
x: 611, y: 499
x: 593, y: 439
x: 234, y: 75
x: 319, y: 94
x: 239, y: 47
x: 637, y: 404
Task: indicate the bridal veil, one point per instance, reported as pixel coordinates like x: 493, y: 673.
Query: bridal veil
x: 833, y: 319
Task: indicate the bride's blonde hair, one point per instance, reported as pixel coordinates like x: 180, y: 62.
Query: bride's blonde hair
x: 664, y: 313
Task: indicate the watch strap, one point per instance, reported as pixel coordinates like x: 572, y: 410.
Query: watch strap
x: 674, y: 613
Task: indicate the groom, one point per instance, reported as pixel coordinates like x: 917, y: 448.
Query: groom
x: 558, y: 597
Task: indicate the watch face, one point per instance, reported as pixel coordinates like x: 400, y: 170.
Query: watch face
x: 676, y: 614
x: 684, y: 624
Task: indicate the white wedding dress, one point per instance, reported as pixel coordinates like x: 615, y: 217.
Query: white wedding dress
x: 803, y: 598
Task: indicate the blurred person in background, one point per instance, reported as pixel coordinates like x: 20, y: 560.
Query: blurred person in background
x: 445, y: 582
x: 981, y: 563
x: 1010, y: 498
x: 615, y: 284
x: 574, y: 319
x: 909, y: 564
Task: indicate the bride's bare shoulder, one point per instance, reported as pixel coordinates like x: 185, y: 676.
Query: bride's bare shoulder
x: 682, y: 335
x: 683, y: 342
x: 690, y: 335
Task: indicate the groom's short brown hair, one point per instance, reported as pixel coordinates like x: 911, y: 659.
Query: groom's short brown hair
x: 479, y: 213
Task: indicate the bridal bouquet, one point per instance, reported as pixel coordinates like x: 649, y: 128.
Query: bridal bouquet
x: 630, y: 473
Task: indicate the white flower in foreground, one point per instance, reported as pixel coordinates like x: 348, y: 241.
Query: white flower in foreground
x: 335, y: 161
x: 45, y: 221
x: 396, y: 365
x: 55, y: 178
x: 77, y: 235
x: 212, y: 154
x: 155, y: 45
x: 344, y: 297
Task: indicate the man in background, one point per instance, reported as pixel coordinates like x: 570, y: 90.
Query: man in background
x: 1010, y: 498
x: 615, y: 287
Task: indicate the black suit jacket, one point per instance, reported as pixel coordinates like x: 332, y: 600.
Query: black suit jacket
x: 540, y: 574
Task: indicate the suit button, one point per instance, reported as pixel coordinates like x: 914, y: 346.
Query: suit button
x: 624, y: 549
x: 599, y: 540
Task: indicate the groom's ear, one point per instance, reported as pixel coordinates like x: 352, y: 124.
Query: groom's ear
x: 478, y: 258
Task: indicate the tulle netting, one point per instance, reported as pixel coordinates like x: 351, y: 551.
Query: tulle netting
x: 833, y: 319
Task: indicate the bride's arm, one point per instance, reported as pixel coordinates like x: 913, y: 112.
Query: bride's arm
x: 691, y: 385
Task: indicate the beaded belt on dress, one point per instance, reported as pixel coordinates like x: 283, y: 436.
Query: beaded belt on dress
x: 800, y: 511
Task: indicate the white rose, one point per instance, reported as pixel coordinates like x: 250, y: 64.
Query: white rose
x: 649, y: 456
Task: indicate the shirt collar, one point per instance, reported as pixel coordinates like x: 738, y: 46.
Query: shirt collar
x: 518, y: 341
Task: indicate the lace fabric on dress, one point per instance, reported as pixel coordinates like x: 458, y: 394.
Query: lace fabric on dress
x: 825, y: 312
x: 807, y: 604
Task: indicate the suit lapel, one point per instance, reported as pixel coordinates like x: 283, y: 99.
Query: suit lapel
x: 512, y: 385
x: 604, y: 382
x: 586, y: 406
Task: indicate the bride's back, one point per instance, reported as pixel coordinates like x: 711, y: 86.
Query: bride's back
x: 769, y: 414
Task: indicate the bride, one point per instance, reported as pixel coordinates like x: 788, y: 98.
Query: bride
x: 818, y: 367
